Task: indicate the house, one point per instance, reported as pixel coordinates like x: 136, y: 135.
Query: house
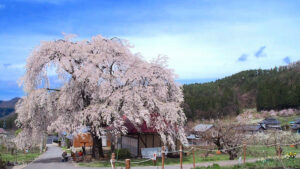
x: 270, y: 123
x: 195, y: 137
x: 202, y: 127
x: 142, y: 141
x: 51, y: 139
x: 250, y: 128
x: 84, y: 138
x: 80, y: 139
x: 295, y: 126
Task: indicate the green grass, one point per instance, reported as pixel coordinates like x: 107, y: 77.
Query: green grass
x: 188, y: 159
x: 266, y: 164
x: 20, y: 157
x: 64, y: 148
x: 286, y: 120
x: 259, y: 151
x: 252, y: 152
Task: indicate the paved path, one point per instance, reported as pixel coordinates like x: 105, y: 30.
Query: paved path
x: 51, y: 159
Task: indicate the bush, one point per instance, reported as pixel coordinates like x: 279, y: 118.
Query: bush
x: 2, y: 163
x: 122, y: 153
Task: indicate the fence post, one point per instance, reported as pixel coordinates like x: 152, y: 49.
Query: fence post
x: 163, y: 157
x: 127, y: 161
x: 278, y: 150
x: 194, y: 164
x: 113, y: 158
x: 180, y: 153
x: 244, y: 149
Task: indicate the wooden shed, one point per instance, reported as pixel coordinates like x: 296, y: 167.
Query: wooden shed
x: 82, y: 139
x: 138, y: 139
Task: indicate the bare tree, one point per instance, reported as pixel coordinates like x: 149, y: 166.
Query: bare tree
x: 227, y: 137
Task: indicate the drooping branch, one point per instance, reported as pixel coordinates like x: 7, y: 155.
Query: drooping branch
x: 53, y: 89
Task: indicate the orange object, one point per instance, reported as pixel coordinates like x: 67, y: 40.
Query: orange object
x: 292, y: 146
x: 83, y: 139
x: 218, y: 152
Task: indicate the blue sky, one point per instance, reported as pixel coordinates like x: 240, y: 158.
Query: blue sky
x: 204, y: 39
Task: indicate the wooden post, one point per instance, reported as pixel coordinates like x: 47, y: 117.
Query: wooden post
x: 244, y: 149
x: 278, y: 150
x: 113, y: 158
x: 180, y: 153
x: 163, y: 157
x: 194, y: 164
x: 127, y: 161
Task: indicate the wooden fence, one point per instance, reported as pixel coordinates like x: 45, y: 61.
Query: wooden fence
x: 244, y: 146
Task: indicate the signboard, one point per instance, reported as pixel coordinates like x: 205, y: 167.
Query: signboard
x: 149, y: 152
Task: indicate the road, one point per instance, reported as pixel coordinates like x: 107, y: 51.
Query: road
x: 51, y: 159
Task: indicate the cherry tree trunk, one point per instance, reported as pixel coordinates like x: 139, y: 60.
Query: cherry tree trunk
x: 97, y: 150
x: 232, y: 154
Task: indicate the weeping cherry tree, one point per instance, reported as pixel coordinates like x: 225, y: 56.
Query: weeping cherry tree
x: 102, y: 82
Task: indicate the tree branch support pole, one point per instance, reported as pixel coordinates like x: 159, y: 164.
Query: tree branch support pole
x: 244, y: 150
x: 163, y: 157
x: 113, y: 160
x: 127, y: 162
x: 194, y: 161
x: 180, y: 154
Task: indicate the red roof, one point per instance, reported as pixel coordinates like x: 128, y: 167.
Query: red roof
x: 131, y: 129
x: 143, y: 128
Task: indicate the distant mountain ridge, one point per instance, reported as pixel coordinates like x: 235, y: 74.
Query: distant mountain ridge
x: 277, y: 88
x: 8, y: 107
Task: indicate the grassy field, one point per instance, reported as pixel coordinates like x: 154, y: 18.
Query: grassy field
x: 188, y: 159
x: 252, y: 152
x: 259, y: 151
x: 20, y: 157
x: 266, y: 164
x: 287, y: 120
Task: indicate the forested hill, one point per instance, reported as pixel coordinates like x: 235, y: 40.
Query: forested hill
x: 7, y: 113
x: 8, y: 107
x: 277, y: 88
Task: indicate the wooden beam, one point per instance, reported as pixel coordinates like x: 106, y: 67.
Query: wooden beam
x: 152, y: 140
x: 143, y: 142
x: 138, y: 148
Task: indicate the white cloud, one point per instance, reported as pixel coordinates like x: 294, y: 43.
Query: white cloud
x: 210, y: 53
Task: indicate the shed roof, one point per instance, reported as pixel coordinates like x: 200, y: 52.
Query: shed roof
x: 202, y: 127
x: 249, y: 127
x: 143, y: 128
x: 297, y: 121
x: 295, y: 126
x: 271, y: 121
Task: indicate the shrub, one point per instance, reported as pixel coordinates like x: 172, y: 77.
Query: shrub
x: 122, y: 153
x: 2, y: 163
